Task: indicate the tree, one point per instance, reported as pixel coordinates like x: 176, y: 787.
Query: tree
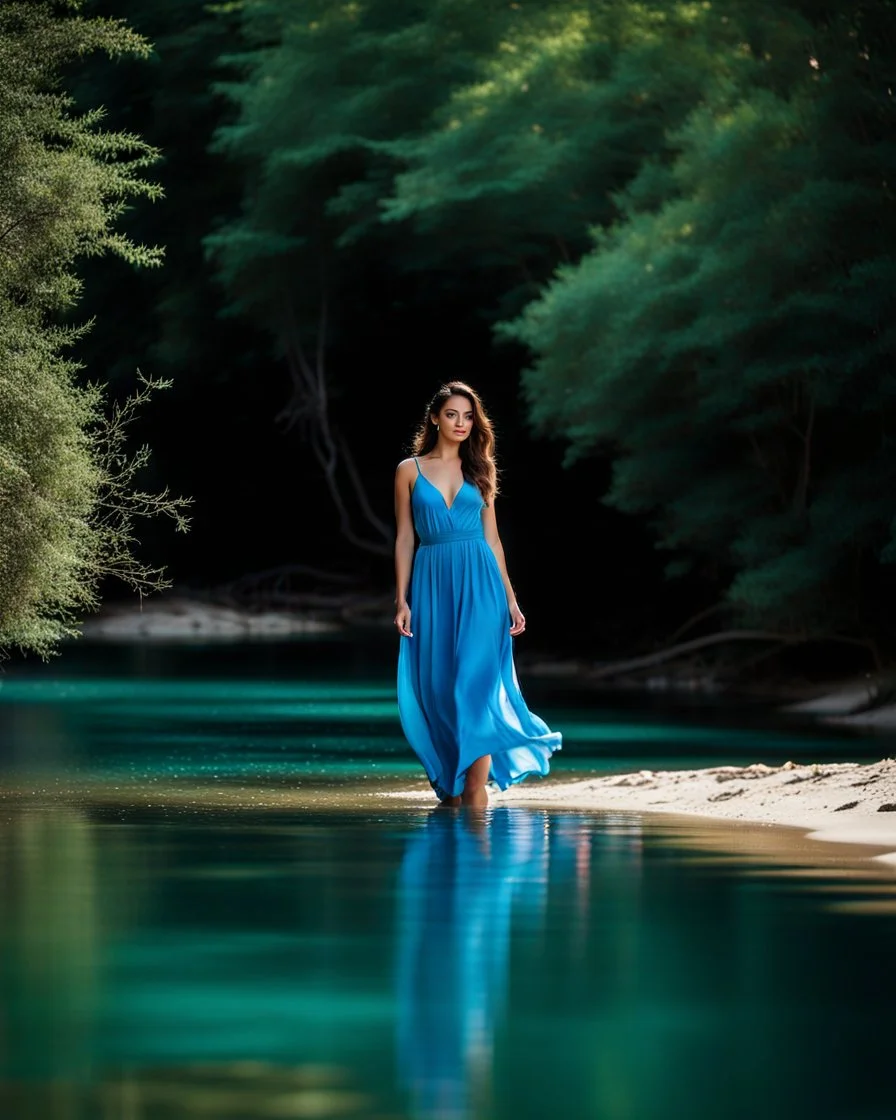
x: 67, y: 494
x: 325, y: 98
x: 729, y: 339
x: 472, y: 147
x: 562, y: 110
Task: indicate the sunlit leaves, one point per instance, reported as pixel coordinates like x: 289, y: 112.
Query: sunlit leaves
x: 682, y: 209
x: 64, y: 184
x: 724, y: 338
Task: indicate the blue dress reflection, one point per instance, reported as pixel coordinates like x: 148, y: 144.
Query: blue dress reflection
x: 459, y: 878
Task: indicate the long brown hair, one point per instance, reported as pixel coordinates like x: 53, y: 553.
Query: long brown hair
x: 477, y: 452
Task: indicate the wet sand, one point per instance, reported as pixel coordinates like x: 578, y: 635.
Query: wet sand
x: 846, y: 802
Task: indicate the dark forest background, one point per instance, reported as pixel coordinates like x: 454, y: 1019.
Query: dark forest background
x: 657, y: 237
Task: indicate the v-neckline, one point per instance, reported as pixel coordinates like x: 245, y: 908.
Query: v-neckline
x: 439, y: 492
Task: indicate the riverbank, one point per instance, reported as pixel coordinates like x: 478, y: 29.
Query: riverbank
x: 844, y: 802
x: 865, y: 702
x: 185, y: 619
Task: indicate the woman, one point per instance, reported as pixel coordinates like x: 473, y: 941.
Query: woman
x: 458, y: 695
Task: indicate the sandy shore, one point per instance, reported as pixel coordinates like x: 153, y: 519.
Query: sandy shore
x: 176, y: 619
x: 846, y: 802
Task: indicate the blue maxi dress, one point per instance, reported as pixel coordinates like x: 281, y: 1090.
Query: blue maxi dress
x: 458, y: 693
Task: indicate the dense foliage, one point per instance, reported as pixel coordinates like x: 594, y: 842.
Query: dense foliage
x: 66, y: 479
x: 675, y: 219
x: 685, y: 213
x: 731, y: 335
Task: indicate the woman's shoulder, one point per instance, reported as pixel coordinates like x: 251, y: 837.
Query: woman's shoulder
x: 406, y: 466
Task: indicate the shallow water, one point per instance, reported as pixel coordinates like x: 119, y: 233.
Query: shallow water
x: 211, y: 907
x: 301, y: 714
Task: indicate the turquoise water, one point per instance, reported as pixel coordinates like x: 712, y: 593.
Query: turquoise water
x: 305, y: 713
x: 212, y: 906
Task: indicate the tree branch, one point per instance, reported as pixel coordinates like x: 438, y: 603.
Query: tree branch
x: 699, y: 617
x: 25, y: 218
x: 669, y: 652
x: 326, y: 455
x: 802, y: 487
x: 309, y: 404
x: 361, y: 493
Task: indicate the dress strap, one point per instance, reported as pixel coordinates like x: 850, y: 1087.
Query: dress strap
x: 417, y: 461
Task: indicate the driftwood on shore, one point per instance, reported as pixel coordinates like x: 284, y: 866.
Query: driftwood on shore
x: 685, y: 664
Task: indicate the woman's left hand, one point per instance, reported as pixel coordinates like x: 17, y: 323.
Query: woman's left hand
x: 517, y: 621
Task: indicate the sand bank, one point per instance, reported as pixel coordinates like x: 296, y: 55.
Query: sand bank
x: 180, y: 619
x: 847, y: 802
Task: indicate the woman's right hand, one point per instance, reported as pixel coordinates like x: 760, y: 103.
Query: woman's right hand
x: 403, y: 620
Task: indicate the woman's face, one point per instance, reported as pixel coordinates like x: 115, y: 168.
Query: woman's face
x: 455, y: 419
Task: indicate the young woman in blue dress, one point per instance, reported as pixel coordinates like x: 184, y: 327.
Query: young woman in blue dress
x: 459, y: 698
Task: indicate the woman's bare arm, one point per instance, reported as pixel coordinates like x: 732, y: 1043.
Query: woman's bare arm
x: 404, y: 544
x: 490, y: 527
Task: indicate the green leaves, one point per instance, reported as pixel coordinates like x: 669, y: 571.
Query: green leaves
x: 63, y: 181
x: 725, y: 336
x: 64, y: 184
x: 683, y: 211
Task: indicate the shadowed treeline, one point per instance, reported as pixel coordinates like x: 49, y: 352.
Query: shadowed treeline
x: 658, y: 237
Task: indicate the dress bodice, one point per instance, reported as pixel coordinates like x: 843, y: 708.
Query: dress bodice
x: 437, y: 522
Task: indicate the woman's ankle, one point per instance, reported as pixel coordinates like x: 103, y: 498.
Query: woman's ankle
x: 476, y: 798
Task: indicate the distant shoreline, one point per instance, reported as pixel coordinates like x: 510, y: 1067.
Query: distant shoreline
x: 851, y: 703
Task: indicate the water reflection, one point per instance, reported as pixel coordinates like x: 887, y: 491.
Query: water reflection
x: 365, y: 966
x: 464, y: 879
x: 49, y: 872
